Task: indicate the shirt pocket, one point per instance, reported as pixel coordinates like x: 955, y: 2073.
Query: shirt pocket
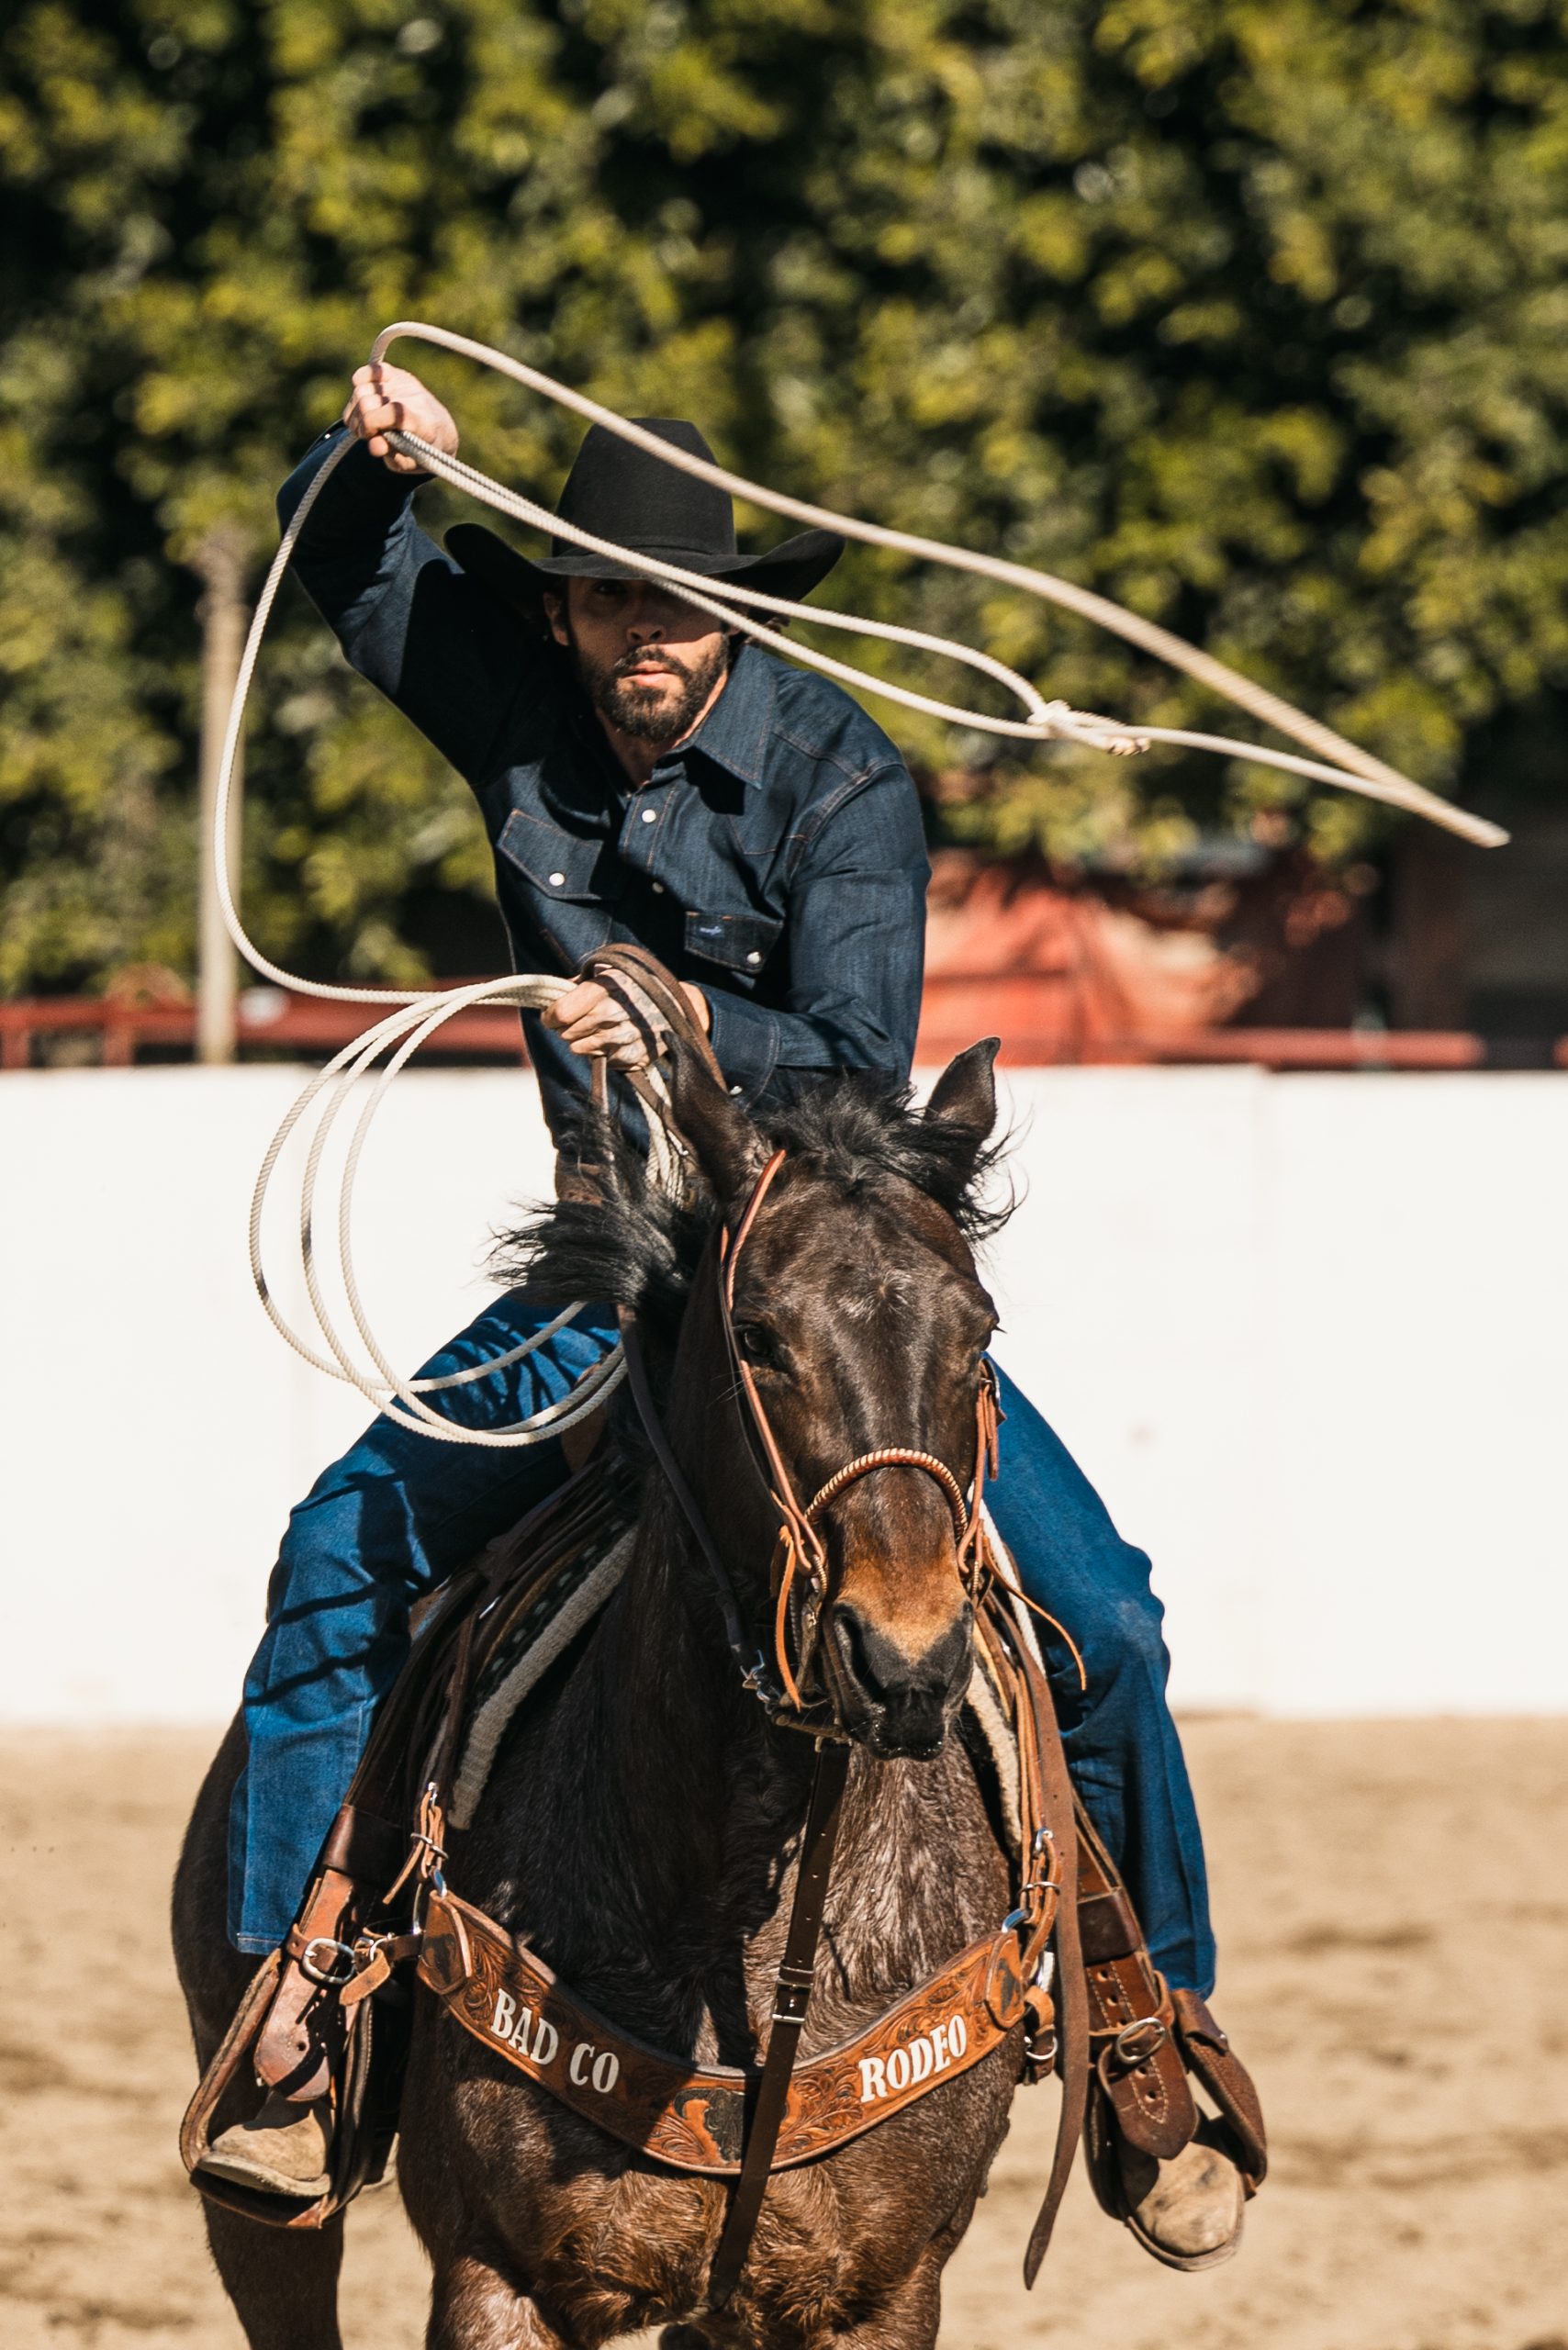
x: 740, y: 943
x: 562, y: 881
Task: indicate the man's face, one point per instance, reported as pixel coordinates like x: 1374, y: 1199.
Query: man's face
x: 649, y: 663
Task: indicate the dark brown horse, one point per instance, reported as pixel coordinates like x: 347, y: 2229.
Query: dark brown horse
x: 641, y: 1823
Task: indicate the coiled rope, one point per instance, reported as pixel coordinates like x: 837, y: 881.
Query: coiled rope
x: 420, y: 1012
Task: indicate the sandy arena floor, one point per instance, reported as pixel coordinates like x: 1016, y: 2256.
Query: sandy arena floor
x: 1393, y: 1911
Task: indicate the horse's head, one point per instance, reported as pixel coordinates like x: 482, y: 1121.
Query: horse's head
x: 858, y: 1324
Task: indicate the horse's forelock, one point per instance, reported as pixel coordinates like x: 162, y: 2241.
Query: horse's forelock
x: 636, y: 1246
x: 864, y: 1132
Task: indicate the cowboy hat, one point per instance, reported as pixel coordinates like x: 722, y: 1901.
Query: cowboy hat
x: 619, y: 491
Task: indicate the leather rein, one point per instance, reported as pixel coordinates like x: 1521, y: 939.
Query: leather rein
x: 801, y: 1581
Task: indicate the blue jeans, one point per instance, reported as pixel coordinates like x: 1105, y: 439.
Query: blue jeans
x: 400, y: 1513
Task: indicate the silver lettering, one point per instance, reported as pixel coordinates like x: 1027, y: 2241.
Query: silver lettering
x: 502, y: 2022
x: 577, y: 2069
x: 606, y: 2071
x: 873, y: 2081
x: 939, y: 2045
x: 920, y: 2058
x: 898, y: 2069
x: 957, y: 2037
x: 542, y: 2054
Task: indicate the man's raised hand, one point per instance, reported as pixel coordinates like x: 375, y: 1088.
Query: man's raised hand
x: 389, y: 399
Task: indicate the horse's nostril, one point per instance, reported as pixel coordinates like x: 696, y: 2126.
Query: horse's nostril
x: 908, y: 1701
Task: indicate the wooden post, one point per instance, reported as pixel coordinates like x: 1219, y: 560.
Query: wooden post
x: 219, y: 561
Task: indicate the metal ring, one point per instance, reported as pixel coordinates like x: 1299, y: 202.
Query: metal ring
x: 346, y: 1966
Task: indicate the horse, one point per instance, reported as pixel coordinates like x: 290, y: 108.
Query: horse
x: 643, y: 1822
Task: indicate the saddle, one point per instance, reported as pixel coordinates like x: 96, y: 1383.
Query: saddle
x: 329, y: 2010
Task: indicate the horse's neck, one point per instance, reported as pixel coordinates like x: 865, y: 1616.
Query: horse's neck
x: 707, y: 1795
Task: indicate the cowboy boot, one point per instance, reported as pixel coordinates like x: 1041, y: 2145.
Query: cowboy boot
x: 285, y: 2149
x: 1185, y: 2210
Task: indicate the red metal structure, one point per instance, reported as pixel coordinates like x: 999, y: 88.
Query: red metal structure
x: 1062, y: 975
x: 959, y: 1006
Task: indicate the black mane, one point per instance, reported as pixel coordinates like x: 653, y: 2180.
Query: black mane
x: 636, y: 1246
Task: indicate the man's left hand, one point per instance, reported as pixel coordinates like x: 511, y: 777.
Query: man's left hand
x: 594, y: 1023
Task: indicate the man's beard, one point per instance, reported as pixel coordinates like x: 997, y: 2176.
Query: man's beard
x: 633, y: 710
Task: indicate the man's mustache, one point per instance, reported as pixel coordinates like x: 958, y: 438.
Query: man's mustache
x: 630, y: 663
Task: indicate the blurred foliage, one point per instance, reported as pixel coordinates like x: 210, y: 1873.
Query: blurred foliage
x: 1249, y: 313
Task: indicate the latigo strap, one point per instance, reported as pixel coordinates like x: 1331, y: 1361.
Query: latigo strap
x: 690, y: 2116
x: 1137, y: 2061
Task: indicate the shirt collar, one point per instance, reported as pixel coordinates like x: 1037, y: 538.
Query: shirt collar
x: 734, y: 732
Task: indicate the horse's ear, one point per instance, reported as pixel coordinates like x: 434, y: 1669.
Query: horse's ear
x: 730, y: 1150
x: 964, y: 1096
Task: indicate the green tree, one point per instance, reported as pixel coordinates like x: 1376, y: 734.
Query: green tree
x: 1247, y: 312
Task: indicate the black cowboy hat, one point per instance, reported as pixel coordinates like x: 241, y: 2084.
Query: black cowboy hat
x: 619, y: 491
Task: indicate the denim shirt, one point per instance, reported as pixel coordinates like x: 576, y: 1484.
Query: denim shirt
x: 776, y: 858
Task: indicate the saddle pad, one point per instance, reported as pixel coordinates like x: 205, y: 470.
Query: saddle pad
x: 543, y: 1630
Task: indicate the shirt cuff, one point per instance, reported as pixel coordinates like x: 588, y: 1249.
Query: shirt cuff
x: 360, y: 490
x: 744, y: 1037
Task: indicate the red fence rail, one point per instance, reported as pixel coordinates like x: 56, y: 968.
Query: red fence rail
x: 115, y: 1034
x: 267, y: 1018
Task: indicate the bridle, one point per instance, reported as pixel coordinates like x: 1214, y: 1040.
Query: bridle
x: 800, y: 1577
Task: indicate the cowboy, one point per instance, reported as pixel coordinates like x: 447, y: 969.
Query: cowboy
x: 646, y: 773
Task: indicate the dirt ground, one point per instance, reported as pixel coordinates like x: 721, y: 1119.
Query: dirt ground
x: 1393, y: 1909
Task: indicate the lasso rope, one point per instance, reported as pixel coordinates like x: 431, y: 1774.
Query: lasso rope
x: 420, y: 1012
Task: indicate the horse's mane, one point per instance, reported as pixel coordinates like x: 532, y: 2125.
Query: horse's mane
x: 637, y: 1247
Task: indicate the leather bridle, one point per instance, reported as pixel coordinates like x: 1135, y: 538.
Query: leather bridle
x: 801, y: 1578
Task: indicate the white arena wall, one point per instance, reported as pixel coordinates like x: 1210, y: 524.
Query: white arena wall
x: 1306, y: 1334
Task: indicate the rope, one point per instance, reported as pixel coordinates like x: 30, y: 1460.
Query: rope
x: 1352, y: 768
x: 416, y: 1015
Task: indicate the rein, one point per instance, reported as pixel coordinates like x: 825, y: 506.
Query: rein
x: 800, y: 1580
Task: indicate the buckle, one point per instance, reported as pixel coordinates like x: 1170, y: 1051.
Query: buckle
x: 331, y: 1977
x: 1123, y: 2045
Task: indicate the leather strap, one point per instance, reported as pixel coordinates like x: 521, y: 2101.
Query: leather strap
x: 360, y: 1845
x: 791, y: 1998
x: 653, y: 1000
x: 1072, y: 2061
x: 1137, y: 2061
x: 693, y: 2118
x: 747, y: 1655
x: 299, y: 2044
x: 1227, y: 2081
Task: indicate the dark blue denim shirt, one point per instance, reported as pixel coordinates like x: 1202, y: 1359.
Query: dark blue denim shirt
x: 776, y: 858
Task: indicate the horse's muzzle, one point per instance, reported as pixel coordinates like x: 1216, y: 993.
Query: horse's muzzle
x: 890, y: 1703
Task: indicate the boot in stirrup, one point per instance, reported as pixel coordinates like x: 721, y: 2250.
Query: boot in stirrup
x: 1186, y: 2211
x: 285, y: 2149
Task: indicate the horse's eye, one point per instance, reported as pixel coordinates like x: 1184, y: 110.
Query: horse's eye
x: 756, y: 1346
